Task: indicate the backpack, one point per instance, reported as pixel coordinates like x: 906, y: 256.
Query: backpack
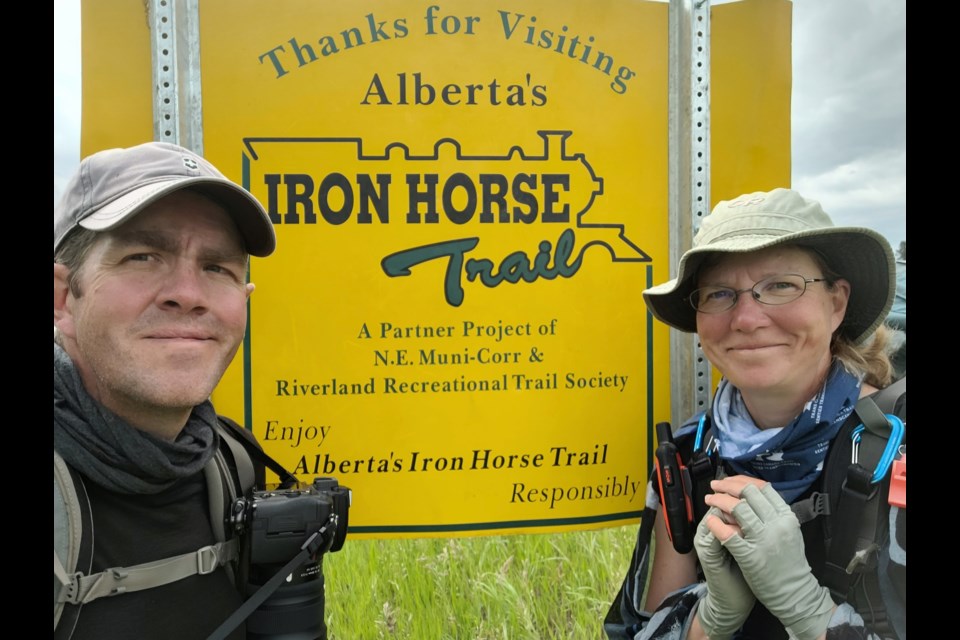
x: 73, y: 539
x: 859, y: 512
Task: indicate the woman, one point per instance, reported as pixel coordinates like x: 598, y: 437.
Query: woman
x: 787, y: 307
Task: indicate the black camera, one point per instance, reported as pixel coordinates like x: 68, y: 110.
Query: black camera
x: 275, y: 527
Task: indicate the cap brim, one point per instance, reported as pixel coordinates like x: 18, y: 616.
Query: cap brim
x: 247, y: 213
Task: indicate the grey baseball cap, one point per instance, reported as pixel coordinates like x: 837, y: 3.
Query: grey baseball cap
x: 112, y: 186
x: 759, y: 220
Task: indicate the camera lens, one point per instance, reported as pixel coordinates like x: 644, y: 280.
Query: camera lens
x: 295, y: 611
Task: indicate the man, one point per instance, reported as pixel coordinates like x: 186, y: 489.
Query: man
x: 151, y: 245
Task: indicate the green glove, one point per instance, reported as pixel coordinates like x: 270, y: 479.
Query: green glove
x: 771, y: 556
x: 729, y: 600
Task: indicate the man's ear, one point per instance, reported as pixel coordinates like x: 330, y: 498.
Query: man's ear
x: 62, y: 297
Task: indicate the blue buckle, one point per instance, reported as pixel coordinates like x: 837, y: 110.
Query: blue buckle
x: 889, y: 452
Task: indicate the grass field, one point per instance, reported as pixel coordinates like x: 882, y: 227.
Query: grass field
x: 542, y: 586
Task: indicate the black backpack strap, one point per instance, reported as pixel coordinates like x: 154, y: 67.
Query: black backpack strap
x: 891, y: 396
x: 854, y: 497
x: 702, y: 466
x: 858, y: 522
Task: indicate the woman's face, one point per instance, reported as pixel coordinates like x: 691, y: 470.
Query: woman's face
x: 781, y: 350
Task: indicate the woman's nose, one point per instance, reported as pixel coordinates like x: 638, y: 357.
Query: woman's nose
x: 748, y: 313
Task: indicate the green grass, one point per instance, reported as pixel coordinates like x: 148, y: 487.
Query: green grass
x: 540, y: 586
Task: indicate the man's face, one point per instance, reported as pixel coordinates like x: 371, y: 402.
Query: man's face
x: 160, y: 310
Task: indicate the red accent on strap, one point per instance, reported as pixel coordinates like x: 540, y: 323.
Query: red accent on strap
x: 898, y: 483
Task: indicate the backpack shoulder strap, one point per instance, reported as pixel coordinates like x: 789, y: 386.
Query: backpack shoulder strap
x: 79, y: 586
x: 856, y: 480
x: 890, y: 396
x: 227, y: 480
x: 119, y: 580
x: 68, y: 519
x: 230, y: 432
x: 231, y: 474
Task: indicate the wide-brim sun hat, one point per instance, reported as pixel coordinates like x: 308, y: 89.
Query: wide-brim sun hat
x: 112, y: 186
x: 760, y: 220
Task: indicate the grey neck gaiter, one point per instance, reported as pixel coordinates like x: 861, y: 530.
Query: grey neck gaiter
x: 112, y: 453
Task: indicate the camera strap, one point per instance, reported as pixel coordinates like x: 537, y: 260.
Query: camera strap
x: 287, y: 479
x: 318, y: 543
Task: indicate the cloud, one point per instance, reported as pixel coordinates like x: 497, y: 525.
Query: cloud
x: 869, y: 191
x: 66, y: 92
x: 849, y: 111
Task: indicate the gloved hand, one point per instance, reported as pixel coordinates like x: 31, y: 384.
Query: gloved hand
x: 770, y: 553
x: 729, y: 600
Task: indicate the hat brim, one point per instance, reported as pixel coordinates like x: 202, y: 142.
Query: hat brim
x: 861, y: 256
x: 247, y: 213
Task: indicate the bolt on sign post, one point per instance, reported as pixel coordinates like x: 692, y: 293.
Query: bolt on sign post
x: 469, y: 198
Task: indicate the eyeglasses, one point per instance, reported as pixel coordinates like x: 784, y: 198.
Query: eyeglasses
x: 778, y: 289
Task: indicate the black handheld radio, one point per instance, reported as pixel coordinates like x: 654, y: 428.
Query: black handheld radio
x: 674, y: 485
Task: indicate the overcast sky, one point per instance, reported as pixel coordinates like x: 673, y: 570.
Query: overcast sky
x: 849, y: 107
